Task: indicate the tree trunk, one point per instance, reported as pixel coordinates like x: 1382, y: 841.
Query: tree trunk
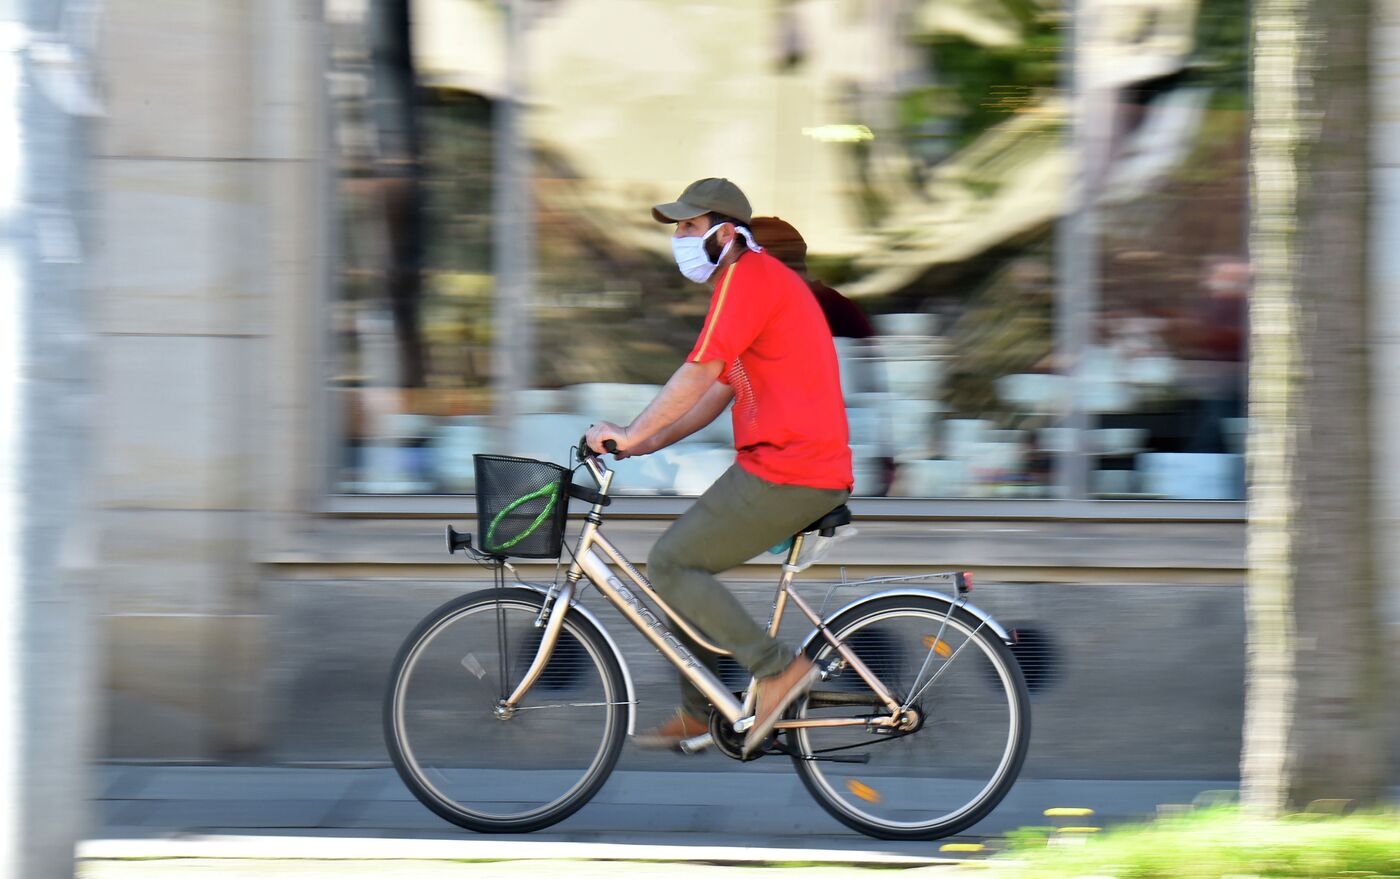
x: 1315, y: 721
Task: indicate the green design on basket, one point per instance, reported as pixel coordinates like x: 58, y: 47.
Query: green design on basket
x: 551, y: 490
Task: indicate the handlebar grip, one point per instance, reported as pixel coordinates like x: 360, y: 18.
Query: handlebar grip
x: 583, y: 450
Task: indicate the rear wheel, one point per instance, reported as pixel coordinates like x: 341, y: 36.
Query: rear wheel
x: 967, y: 735
x: 495, y: 771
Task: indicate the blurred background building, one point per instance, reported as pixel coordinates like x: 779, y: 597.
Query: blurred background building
x: 924, y: 150
x: 345, y: 245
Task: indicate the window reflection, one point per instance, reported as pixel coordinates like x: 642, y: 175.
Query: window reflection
x: 1166, y: 367
x: 918, y: 155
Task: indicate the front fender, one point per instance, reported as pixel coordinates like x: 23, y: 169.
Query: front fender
x: 575, y: 607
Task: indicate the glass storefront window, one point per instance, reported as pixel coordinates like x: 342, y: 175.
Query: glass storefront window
x: 920, y: 158
x: 411, y: 316
x: 1165, y: 369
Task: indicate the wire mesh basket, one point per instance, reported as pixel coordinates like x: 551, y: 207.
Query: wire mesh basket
x: 521, y: 505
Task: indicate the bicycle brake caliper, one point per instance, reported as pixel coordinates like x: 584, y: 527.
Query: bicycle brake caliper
x: 546, y: 607
x: 832, y: 668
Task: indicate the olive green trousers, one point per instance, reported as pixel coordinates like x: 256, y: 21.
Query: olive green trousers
x: 739, y: 517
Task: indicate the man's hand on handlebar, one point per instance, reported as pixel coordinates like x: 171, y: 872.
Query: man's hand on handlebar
x: 604, y: 431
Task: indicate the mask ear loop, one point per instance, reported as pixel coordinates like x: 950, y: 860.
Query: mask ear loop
x: 748, y: 238
x: 741, y: 230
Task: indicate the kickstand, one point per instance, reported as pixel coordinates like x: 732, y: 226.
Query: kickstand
x: 780, y: 748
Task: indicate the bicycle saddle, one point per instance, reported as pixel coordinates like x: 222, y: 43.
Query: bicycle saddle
x: 828, y: 524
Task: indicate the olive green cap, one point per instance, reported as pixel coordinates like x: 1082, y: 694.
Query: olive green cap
x: 711, y: 194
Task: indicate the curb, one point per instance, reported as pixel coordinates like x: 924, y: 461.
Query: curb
x: 329, y: 848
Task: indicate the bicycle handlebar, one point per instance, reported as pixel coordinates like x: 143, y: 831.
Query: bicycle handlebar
x: 584, y: 451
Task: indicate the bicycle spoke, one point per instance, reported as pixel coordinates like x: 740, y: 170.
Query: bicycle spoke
x: 932, y: 648
x: 946, y: 663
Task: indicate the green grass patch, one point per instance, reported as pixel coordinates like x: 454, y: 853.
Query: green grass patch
x: 1220, y: 843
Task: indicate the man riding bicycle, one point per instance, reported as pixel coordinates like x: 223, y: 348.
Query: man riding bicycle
x: 765, y: 346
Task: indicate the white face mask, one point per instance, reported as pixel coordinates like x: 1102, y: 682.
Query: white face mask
x: 691, y: 258
x: 695, y: 263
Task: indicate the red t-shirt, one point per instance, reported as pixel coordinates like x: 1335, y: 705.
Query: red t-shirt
x: 789, y: 416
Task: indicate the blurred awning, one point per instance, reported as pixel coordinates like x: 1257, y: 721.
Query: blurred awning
x: 977, y: 21
x: 1009, y: 182
x: 460, y: 44
x: 630, y: 102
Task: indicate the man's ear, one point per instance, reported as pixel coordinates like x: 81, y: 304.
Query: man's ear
x: 725, y: 234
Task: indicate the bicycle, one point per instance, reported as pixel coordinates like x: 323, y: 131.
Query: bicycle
x: 916, y: 730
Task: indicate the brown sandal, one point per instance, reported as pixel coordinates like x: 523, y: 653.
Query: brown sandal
x: 775, y: 694
x: 670, y: 734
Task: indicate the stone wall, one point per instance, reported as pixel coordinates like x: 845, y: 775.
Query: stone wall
x: 206, y: 178
x: 1142, y: 682
x: 243, y: 623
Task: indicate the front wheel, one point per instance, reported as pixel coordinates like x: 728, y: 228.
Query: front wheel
x: 494, y: 771
x: 969, y: 729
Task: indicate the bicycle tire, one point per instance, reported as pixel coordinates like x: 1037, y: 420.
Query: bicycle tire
x: 906, y: 791
x: 465, y: 777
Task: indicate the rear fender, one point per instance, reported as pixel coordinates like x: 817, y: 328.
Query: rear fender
x: 973, y: 609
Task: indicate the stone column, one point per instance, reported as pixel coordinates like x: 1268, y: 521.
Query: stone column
x: 1385, y: 333
x: 208, y: 181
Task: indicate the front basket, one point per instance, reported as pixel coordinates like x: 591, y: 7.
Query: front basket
x: 521, y: 505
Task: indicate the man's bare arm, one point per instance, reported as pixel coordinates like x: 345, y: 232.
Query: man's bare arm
x: 686, y: 387
x: 679, y: 396
x: 715, y: 401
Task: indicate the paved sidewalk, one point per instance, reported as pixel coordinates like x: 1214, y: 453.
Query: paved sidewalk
x: 704, y: 814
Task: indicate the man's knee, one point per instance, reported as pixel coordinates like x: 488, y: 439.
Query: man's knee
x: 659, y: 561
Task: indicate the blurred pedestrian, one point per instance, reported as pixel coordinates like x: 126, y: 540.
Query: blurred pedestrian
x: 1218, y: 330
x: 846, y: 321
x: 783, y: 241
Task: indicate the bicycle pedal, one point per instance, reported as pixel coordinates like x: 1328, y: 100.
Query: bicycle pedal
x: 695, y: 744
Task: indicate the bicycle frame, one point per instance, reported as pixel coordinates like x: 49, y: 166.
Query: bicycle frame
x: 588, y: 562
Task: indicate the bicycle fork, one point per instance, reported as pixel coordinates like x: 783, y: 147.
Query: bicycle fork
x: 553, y: 612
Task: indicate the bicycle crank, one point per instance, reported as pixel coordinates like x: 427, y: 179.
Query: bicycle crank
x: 729, y: 742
